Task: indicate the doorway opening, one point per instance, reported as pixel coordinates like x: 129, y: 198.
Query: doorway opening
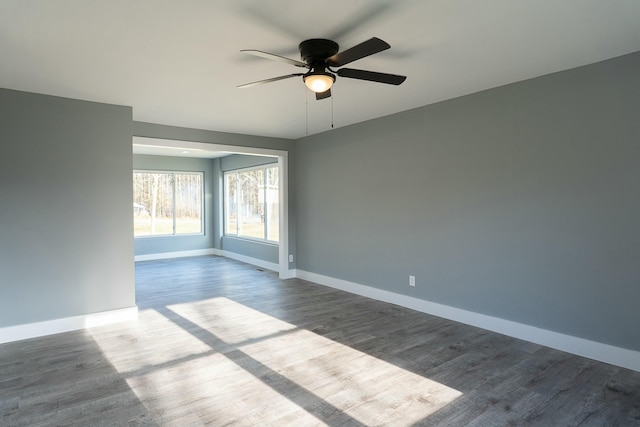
x: 193, y: 149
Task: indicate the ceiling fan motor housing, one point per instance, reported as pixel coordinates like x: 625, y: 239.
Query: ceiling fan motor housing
x: 316, y: 51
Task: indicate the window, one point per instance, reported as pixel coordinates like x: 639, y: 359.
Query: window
x: 251, y: 203
x: 167, y: 203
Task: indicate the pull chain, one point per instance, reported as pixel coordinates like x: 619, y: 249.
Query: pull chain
x: 306, y: 107
x: 331, y: 112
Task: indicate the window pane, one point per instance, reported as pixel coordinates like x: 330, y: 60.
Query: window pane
x: 188, y: 189
x: 273, y: 209
x: 152, y: 203
x: 251, y: 204
x: 230, y: 204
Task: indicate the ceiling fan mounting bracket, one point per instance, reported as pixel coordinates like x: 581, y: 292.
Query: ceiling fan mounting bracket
x: 313, y: 51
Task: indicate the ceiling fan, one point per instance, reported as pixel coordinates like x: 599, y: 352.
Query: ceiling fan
x: 320, y: 55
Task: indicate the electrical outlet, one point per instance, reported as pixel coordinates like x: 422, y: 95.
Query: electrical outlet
x: 412, y: 280
x: 290, y: 258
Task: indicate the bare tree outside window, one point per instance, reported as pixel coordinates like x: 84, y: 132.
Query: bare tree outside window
x: 167, y: 203
x: 251, y: 203
x: 273, y: 204
x: 231, y: 204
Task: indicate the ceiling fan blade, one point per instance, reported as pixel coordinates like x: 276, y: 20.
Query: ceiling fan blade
x: 369, y: 47
x: 392, y: 79
x: 366, y: 14
x: 273, y: 79
x: 274, y: 57
x: 323, y: 95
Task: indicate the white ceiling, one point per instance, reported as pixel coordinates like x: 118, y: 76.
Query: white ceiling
x: 179, y: 62
x: 173, y: 148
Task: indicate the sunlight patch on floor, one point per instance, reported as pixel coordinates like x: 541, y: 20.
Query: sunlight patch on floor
x: 221, y: 360
x: 153, y: 341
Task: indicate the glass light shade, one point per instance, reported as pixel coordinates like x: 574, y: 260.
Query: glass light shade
x: 319, y: 82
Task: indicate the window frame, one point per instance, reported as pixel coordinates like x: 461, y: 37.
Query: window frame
x: 225, y: 203
x: 174, y: 232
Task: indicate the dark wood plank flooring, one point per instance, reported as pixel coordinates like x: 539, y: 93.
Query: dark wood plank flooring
x: 219, y: 343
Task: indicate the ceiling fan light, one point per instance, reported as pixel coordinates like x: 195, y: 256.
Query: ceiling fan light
x: 320, y: 82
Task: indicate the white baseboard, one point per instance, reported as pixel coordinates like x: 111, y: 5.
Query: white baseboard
x: 66, y: 324
x: 594, y: 350
x: 289, y: 274
x: 253, y: 261
x: 179, y: 254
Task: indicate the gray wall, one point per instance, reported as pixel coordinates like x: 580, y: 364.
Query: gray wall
x: 520, y: 202
x: 65, y: 208
x: 163, y: 244
x: 260, y: 250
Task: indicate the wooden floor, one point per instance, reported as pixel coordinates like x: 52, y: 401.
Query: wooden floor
x: 222, y: 343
